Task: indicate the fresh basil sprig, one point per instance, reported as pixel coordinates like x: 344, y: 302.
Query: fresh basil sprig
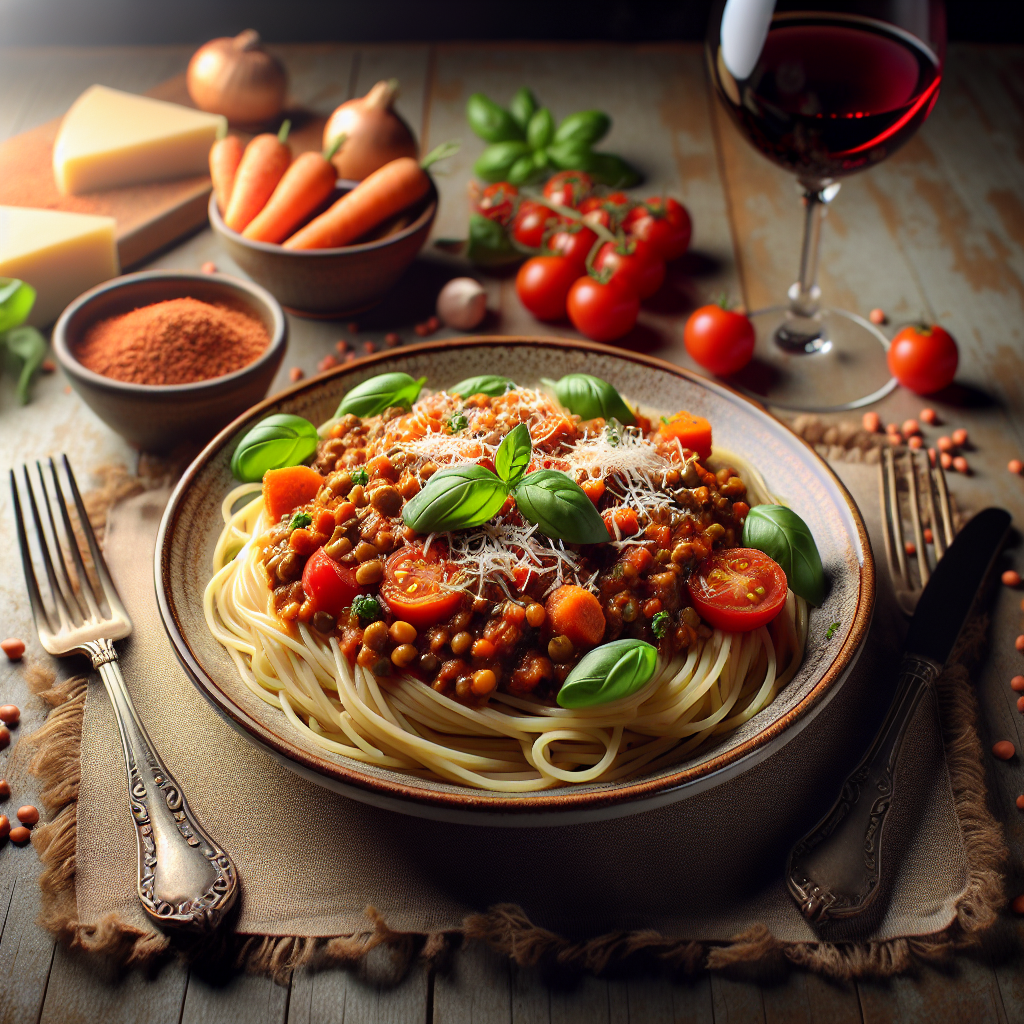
x: 560, y: 508
x: 382, y: 392
x: 491, y: 384
x: 275, y: 442
x: 591, y: 397
x: 781, y: 534
x: 609, y: 672
x: 456, y: 498
x: 24, y: 345
x: 513, y: 455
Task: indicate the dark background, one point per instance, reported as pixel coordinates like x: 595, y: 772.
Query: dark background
x: 95, y: 22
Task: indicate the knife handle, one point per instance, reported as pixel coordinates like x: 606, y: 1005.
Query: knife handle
x: 835, y: 871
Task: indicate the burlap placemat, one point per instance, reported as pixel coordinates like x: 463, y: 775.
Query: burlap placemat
x: 695, y: 886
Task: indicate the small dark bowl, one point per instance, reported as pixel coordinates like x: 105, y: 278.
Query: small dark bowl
x: 338, y: 282
x: 158, y: 417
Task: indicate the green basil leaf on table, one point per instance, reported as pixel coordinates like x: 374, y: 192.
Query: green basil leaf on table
x: 781, y: 534
x: 489, y: 244
x: 491, y: 122
x: 609, y: 672
x: 584, y: 128
x: 16, y: 301
x: 513, y: 455
x: 379, y: 393
x: 275, y: 442
x: 495, y: 163
x: 590, y: 397
x: 559, y: 507
x: 612, y: 170
x: 492, y: 384
x: 456, y: 498
x: 522, y: 107
x: 541, y: 129
x: 569, y: 156
x: 29, y: 346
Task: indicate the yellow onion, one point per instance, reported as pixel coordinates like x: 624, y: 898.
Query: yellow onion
x: 374, y: 134
x: 236, y: 77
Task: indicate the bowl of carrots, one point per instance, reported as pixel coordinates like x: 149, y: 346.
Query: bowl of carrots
x: 323, y: 247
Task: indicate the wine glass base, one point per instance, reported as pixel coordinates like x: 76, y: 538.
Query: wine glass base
x: 828, y: 362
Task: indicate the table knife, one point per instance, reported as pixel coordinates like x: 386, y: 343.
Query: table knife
x: 835, y: 871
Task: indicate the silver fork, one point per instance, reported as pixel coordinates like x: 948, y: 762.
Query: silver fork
x: 185, y: 879
x: 908, y: 591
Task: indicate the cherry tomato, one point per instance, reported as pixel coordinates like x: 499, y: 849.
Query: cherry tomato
x: 662, y: 222
x: 738, y: 589
x: 330, y: 585
x: 567, y: 188
x: 720, y: 340
x: 498, y: 202
x: 543, y: 284
x: 635, y: 261
x: 414, y: 586
x: 615, y: 204
x: 574, y: 242
x: 603, y: 311
x: 530, y: 223
x: 923, y: 359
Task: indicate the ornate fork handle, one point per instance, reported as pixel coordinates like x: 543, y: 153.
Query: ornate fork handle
x: 834, y: 872
x: 185, y: 878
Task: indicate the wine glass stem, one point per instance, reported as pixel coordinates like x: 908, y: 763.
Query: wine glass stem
x: 805, y: 295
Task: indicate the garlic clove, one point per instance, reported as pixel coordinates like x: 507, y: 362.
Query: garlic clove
x: 462, y: 303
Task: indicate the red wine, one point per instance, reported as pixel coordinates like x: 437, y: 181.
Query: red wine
x: 830, y: 95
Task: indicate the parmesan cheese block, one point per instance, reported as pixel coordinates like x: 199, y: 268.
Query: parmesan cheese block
x: 59, y: 254
x: 111, y: 138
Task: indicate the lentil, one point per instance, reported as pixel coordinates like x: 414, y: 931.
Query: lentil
x: 5, y: 736
x: 916, y: 441
x: 959, y: 436
x: 871, y: 422
x: 369, y: 572
x: 28, y: 815
x: 1017, y: 683
x: 945, y: 444
x: 13, y: 648
x: 5, y: 789
x: 1020, y: 703
x: 1010, y: 578
x: 375, y: 636
x: 1004, y: 750
x: 1020, y: 802
x: 911, y: 427
x: 323, y: 622
x: 20, y: 835
x: 484, y: 682
x: 535, y: 614
x: 402, y: 632
x: 960, y: 465
x: 403, y: 655
x: 5, y: 827
x: 928, y: 416
x: 945, y: 460
x: 1018, y: 905
x: 10, y: 714
x: 877, y: 316
x: 295, y: 374
x: 461, y: 643
x: 1015, y: 466
x: 1019, y: 643
x: 560, y: 648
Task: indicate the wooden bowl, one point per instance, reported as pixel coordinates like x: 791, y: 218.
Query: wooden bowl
x: 333, y: 283
x: 157, y: 417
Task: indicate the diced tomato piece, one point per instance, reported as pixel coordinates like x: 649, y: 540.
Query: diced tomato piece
x: 328, y: 584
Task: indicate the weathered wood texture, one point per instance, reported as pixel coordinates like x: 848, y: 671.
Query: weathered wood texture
x: 939, y: 229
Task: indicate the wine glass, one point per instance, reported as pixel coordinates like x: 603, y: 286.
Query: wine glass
x: 824, y: 89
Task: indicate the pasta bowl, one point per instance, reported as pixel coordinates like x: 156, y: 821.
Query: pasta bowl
x: 791, y: 470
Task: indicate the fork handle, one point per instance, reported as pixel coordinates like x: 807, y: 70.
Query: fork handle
x: 186, y: 880
x: 835, y: 871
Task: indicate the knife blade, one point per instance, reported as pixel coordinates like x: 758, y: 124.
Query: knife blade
x: 835, y: 871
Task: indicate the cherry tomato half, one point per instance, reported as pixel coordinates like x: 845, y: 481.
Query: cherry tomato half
x: 567, y: 188
x: 531, y: 222
x: 720, y: 340
x: 574, y: 242
x: 414, y: 586
x: 923, y: 359
x: 543, y: 284
x: 498, y: 202
x: 664, y: 223
x: 635, y: 261
x: 603, y: 311
x: 738, y: 589
x: 330, y: 585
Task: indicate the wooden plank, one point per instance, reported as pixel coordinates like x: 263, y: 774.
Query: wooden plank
x: 346, y: 997
x: 810, y: 999
x: 476, y: 990
x: 237, y: 999
x: 967, y: 993
x: 26, y: 951
x: 662, y: 1001
x: 736, y: 1002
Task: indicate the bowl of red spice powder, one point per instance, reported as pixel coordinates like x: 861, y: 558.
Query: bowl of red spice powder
x: 167, y: 358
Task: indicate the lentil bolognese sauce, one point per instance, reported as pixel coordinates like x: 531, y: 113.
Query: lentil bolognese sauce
x: 412, y: 600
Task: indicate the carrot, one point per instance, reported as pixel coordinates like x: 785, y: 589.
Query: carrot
x: 304, y: 186
x: 693, y: 432
x: 264, y: 161
x: 593, y: 489
x: 225, y: 156
x: 285, y: 489
x: 575, y: 613
x: 384, y: 193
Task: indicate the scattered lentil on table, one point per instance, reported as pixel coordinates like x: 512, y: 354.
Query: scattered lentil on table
x: 20, y: 835
x: 10, y: 714
x: 1015, y: 466
x: 5, y: 827
x: 1010, y: 578
x: 5, y: 736
x: 13, y: 648
x: 28, y: 815
x: 961, y: 465
x: 959, y: 436
x: 871, y: 422
x: 1017, y: 683
x: 1004, y: 750
x: 928, y: 416
x: 295, y: 374
x: 877, y: 316
x: 5, y: 789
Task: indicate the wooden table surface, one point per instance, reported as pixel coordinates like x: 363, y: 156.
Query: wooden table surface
x: 938, y: 230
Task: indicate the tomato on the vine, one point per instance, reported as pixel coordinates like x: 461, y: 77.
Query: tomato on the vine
x: 664, y: 223
x: 721, y: 340
x: 543, y: 284
x: 567, y: 188
x: 603, y: 311
x: 574, y: 242
x: 498, y: 202
x: 531, y: 222
x: 415, y: 586
x: 616, y: 205
x: 635, y: 261
x: 923, y: 359
x: 738, y: 589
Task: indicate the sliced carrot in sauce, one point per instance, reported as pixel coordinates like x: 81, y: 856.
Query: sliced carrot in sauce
x: 285, y: 489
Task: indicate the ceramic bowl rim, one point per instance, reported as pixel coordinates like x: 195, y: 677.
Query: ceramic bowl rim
x: 554, y: 806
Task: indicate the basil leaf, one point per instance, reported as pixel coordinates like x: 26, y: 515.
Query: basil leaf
x: 591, y: 397
x: 275, y: 442
x: 541, y: 129
x: 491, y: 122
x: 379, y: 393
x: 495, y: 163
x: 522, y: 107
x: 489, y: 244
x: 584, y: 128
x: 456, y: 499
x: 560, y: 508
x: 16, y: 301
x: 612, y: 170
x: 28, y: 345
x: 781, y: 534
x: 492, y: 384
x: 609, y: 672
x: 513, y: 455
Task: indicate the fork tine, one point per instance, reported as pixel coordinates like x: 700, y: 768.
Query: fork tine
x: 39, y: 612
x: 915, y: 519
x: 938, y: 474
x: 73, y: 600
x: 938, y: 538
x: 896, y: 516
x: 883, y: 493
x: 85, y: 584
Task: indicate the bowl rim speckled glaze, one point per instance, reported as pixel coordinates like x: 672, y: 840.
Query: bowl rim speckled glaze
x: 560, y: 806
